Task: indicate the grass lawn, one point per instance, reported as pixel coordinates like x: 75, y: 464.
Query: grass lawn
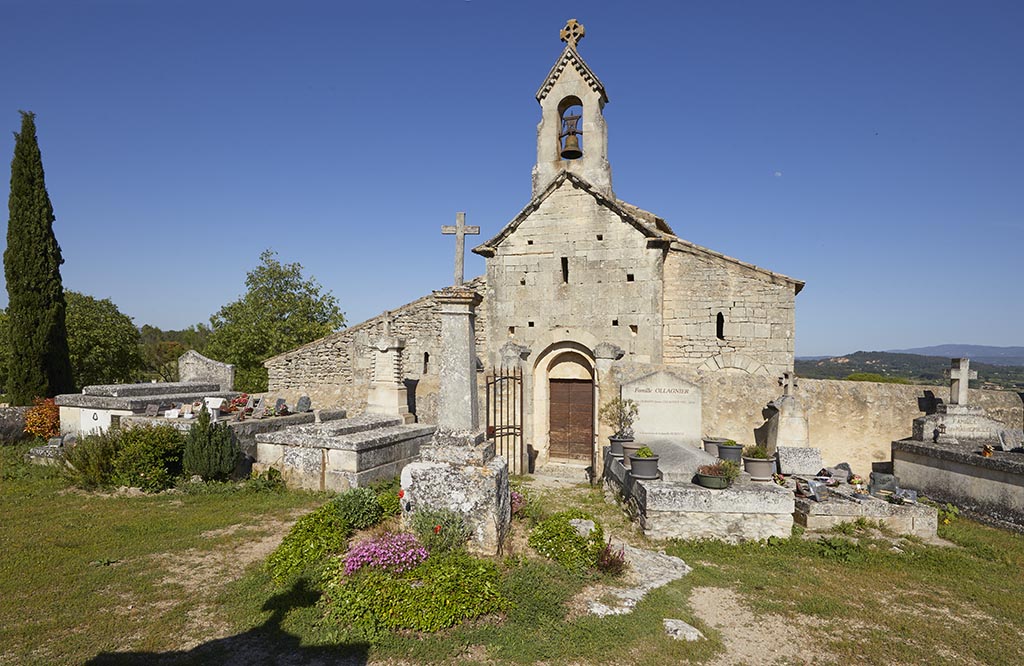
x: 176, y: 578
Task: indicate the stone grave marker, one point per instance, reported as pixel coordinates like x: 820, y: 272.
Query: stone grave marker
x: 669, y: 409
x: 260, y: 409
x: 304, y: 405
x: 280, y: 405
x: 152, y: 409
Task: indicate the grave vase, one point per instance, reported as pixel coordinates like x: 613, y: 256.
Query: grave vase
x: 615, y: 450
x: 628, y: 449
x: 759, y: 469
x: 643, y: 468
x: 733, y: 452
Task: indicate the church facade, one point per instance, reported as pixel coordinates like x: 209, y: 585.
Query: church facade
x: 582, y: 290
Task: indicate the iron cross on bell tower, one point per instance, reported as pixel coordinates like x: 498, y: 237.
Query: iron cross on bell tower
x: 460, y: 231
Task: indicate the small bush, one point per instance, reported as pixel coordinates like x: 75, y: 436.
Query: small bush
x: 359, y: 508
x: 392, y: 551
x: 387, y: 496
x: 525, y: 505
x: 149, y: 457
x: 439, y: 530
x: 441, y: 592
x: 557, y: 538
x: 314, y: 536
x: 210, y: 450
x: 43, y: 418
x: 269, y: 481
x: 758, y: 451
x: 90, y: 462
x: 610, y: 561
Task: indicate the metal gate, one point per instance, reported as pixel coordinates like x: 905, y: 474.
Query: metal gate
x: 505, y: 417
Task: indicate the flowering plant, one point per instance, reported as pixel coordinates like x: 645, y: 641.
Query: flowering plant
x: 518, y: 502
x: 43, y: 419
x: 392, y: 551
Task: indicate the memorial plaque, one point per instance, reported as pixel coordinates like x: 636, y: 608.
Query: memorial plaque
x: 152, y: 409
x: 303, y: 405
x: 669, y: 410
x: 260, y: 410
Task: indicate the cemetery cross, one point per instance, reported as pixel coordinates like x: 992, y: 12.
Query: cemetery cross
x: 960, y: 376
x: 460, y: 231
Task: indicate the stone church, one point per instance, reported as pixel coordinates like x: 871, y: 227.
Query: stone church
x: 583, y: 293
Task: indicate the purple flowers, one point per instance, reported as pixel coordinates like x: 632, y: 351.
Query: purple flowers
x: 518, y: 502
x: 392, y: 551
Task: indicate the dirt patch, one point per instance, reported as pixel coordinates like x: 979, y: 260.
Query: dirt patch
x: 755, y: 639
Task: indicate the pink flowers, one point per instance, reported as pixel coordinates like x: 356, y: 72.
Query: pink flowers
x: 392, y: 551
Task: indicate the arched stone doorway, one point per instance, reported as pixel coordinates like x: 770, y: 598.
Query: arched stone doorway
x: 564, y: 405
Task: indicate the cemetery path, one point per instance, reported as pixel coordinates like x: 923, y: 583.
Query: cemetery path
x: 754, y: 639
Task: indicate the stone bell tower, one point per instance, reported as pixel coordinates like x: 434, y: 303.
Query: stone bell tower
x: 572, y: 135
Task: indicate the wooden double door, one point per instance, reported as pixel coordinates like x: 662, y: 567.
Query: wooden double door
x: 571, y: 423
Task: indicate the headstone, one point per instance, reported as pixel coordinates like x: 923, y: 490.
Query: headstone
x: 260, y: 410
x: 152, y: 409
x: 250, y: 403
x: 193, y: 367
x: 304, y: 405
x: 881, y: 482
x: 280, y: 406
x: 669, y: 409
x: 799, y: 460
x: 172, y: 413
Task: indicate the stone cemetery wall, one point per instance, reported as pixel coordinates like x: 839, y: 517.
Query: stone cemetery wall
x: 194, y: 367
x: 757, y: 310
x: 575, y: 264
x: 336, y: 370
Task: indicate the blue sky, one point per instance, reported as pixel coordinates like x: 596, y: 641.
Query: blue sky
x: 873, y: 149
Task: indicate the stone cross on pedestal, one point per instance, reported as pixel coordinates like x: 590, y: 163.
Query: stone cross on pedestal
x: 960, y: 376
x: 460, y: 231
x: 788, y: 382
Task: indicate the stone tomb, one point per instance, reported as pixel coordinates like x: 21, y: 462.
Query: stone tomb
x: 669, y: 410
x: 843, y: 505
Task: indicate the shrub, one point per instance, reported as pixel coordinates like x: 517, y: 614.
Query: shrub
x: 90, y: 462
x: 268, y: 481
x: 723, y: 468
x: 359, y: 508
x: 611, y: 562
x: 557, y: 538
x: 759, y: 452
x: 43, y: 418
x: 439, y: 530
x: 392, y: 551
x: 315, y: 535
x: 644, y: 452
x: 387, y: 496
x: 210, y: 449
x: 148, y: 457
x: 619, y: 413
x: 441, y: 592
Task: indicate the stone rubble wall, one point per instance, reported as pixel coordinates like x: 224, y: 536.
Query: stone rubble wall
x: 531, y: 298
x: 335, y: 371
x: 758, y: 315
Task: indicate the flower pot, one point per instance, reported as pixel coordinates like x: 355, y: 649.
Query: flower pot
x: 711, y: 444
x: 732, y: 452
x: 714, y: 482
x: 759, y: 469
x: 628, y: 449
x: 616, y: 445
x: 643, y: 468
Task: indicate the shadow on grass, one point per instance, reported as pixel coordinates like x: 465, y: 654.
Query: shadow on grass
x: 265, y: 644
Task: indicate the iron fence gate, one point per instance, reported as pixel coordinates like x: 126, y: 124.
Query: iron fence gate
x: 505, y: 417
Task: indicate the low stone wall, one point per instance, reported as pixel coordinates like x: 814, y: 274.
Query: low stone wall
x: 992, y: 487
x: 917, y: 519
x: 12, y: 425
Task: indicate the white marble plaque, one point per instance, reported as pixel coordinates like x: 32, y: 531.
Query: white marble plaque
x: 669, y: 409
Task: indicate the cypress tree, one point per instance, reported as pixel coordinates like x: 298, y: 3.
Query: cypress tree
x: 40, y: 365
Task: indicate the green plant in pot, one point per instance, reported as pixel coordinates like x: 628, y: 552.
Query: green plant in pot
x: 619, y: 414
x: 717, y: 475
x: 643, y: 464
x: 730, y: 450
x: 758, y: 464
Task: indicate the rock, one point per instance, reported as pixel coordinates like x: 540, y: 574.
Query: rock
x: 583, y: 527
x: 682, y: 631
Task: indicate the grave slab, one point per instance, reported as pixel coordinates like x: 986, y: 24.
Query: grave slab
x: 843, y: 506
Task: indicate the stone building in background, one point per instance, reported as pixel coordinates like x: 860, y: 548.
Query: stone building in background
x: 592, y: 291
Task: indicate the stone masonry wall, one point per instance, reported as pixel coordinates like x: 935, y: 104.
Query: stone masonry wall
x: 757, y: 310
x: 609, y: 287
x: 336, y: 370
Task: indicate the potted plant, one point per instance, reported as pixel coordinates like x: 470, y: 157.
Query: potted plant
x: 619, y: 414
x: 717, y: 475
x: 643, y: 464
x: 758, y: 463
x: 711, y: 444
x: 730, y: 450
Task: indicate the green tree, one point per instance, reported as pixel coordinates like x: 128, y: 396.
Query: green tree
x: 40, y: 363
x: 281, y: 310
x: 103, y: 341
x: 5, y: 351
x: 160, y: 349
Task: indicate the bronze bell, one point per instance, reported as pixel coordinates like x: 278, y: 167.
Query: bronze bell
x: 572, y: 147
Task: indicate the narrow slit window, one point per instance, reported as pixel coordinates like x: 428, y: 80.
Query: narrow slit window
x: 511, y: 330
x: 522, y: 281
x: 630, y: 277
x: 529, y: 324
x: 720, y: 326
x: 600, y: 237
x: 426, y: 362
x: 565, y: 270
x: 529, y: 242
x: 615, y: 322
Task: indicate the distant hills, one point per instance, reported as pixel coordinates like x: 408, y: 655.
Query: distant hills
x: 979, y: 353
x: 918, y: 368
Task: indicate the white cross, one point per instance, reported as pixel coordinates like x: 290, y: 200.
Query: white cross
x: 460, y: 231
x: 960, y: 376
x: 788, y: 382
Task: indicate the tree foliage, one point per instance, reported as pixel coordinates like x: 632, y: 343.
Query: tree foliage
x: 39, y: 362
x: 160, y: 349
x: 103, y: 342
x: 281, y: 310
